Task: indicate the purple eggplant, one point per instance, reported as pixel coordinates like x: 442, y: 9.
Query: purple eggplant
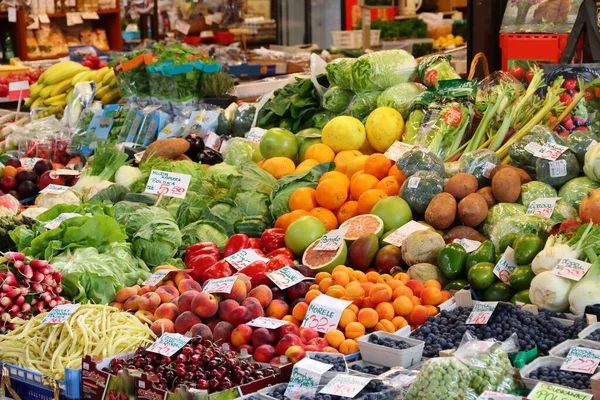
x: 196, y: 146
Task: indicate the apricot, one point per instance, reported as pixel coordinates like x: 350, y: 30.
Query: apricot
x: 355, y: 293
x: 385, y: 311
x: 325, y: 284
x: 402, y: 291
x: 368, y: 303
x: 125, y: 293
x: 334, y: 338
x: 368, y: 317
x: 167, y: 293
x: 116, y: 305
x: 185, y: 321
x: 263, y: 294
x: 336, y: 291
x: 394, y: 284
x: 277, y: 309
x: 320, y: 276
x: 160, y: 326
x: 419, y: 315
x: 340, y: 278
x: 367, y: 286
x: 349, y: 346
x: 416, y: 301
x: 446, y: 295
x: 311, y: 295
x: 132, y: 303
x: 373, y: 276
x: 354, y: 308
x: 359, y: 276
x: 167, y: 311
x: 149, y: 301
x: 402, y: 276
x: 416, y: 286
x: 433, y: 283
x: 403, y: 306
x: 431, y: 296
x: 347, y: 317
x: 399, y: 322
x: 292, y: 320
x: 187, y: 285
x: 299, y: 311
x: 380, y: 293
x: 432, y: 310
x: 385, y: 325
x: 329, y: 349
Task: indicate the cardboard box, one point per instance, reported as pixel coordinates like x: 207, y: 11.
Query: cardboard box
x: 99, y: 384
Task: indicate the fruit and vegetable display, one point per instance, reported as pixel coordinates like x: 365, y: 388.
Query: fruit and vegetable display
x: 384, y: 230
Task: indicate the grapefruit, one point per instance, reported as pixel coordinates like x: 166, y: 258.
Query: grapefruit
x: 324, y: 260
x: 394, y: 212
x: 384, y: 126
x: 343, y: 133
x: 361, y: 225
x: 279, y: 142
x: 302, y: 232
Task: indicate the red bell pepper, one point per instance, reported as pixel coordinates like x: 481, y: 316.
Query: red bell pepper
x: 284, y: 251
x: 220, y: 269
x: 209, y: 248
x: 235, y: 243
x: 257, y: 272
x: 279, y: 261
x: 254, y: 243
x: 200, y: 263
x: 272, y: 239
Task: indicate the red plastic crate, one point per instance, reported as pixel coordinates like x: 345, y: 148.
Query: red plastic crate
x: 545, y: 48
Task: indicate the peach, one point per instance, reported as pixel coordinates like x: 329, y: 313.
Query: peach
x: 295, y: 354
x: 167, y: 310
x: 149, y: 302
x: 385, y: 311
x: 226, y: 307
x: 368, y: 317
x: 132, y: 303
x: 419, y: 315
x: 354, y: 330
x: 299, y: 311
x: 288, y: 329
x: 162, y: 325
x: 203, y: 331
x: 403, y: 306
x: 167, y: 293
x: 431, y: 296
x: 319, y: 342
x: 184, y: 301
x: 212, y: 323
x: 277, y: 309
x: 263, y: 336
x: 286, y: 342
x: 205, y: 305
x: 180, y: 276
x: 125, y: 293
x: 240, y: 315
x: 311, y: 347
x: 329, y: 349
x: 385, y: 325
x: 306, y: 334
x: 144, y: 290
x: 185, y: 321
x: 264, y: 353
x: 380, y: 292
x: 416, y: 286
x: 263, y: 294
x: 349, y: 346
x: 222, y: 332
x: 145, y: 316
x: 116, y: 305
x: 249, y: 349
x: 253, y: 305
x: 241, y: 334
x: 355, y: 293
x: 169, y: 283
x: 188, y: 284
x: 238, y: 291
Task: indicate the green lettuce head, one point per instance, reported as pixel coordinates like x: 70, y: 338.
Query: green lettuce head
x: 156, y: 242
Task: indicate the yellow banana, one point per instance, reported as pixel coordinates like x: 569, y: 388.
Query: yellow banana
x: 100, y: 74
x: 45, y: 93
x: 68, y: 98
x: 35, y: 89
x: 39, y: 102
x: 60, y: 87
x: 78, y: 77
x: 111, y: 97
x: 89, y: 76
x: 29, y: 102
x: 59, y: 103
x: 108, y: 77
x: 101, y: 91
x: 113, y: 83
x: 66, y: 72
x: 50, y: 101
x: 57, y: 67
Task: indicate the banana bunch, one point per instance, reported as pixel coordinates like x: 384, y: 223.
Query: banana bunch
x: 55, y: 85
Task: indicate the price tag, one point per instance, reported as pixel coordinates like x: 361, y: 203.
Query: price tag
x: 156, y: 277
x: 413, y: 182
x: 397, y: 150
x: 482, y: 312
x: 67, y: 172
x: 60, y: 314
x: 546, y: 391
x: 324, y: 313
x: 168, y: 344
x: 54, y: 189
x: 581, y: 359
x: 543, y: 206
x: 402, y: 379
x: 221, y: 285
x: 74, y: 19
x: 269, y: 323
x: 12, y: 14
x: 182, y: 26
x: 213, y: 140
x: 305, y: 378
x: 138, y: 156
x: 506, y: 265
x: 487, y: 395
x: 168, y: 184
x: 488, y: 167
x: 549, y: 151
x: 286, y: 277
x: 35, y: 24
x: 332, y: 240
x: 255, y: 135
x: 243, y: 258
x: 345, y: 385
x: 18, y: 90
x: 571, y: 268
x: 558, y: 168
x: 400, y: 234
x: 55, y: 223
x: 43, y: 18
x: 469, y: 245
x: 29, y: 162
x: 90, y: 15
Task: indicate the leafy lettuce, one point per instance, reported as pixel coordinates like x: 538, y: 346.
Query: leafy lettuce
x: 204, y: 231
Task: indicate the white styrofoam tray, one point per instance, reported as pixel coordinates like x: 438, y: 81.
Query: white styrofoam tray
x: 382, y: 355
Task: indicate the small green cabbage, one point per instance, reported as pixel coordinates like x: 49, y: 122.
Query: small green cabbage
x: 500, y: 212
x: 563, y: 211
x: 336, y: 99
x: 240, y: 151
x: 400, y: 96
x: 362, y: 105
x: 222, y: 174
x: 382, y: 69
x: 144, y: 216
x: 519, y: 224
x: 480, y: 164
x: 339, y: 72
x: 533, y: 190
x: 157, y: 241
x: 576, y: 189
x: 580, y: 141
x: 204, y: 231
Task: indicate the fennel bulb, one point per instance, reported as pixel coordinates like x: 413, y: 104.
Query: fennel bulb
x: 586, y: 291
x: 550, y: 256
x: 550, y: 292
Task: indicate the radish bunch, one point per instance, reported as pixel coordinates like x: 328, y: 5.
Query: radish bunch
x: 27, y: 288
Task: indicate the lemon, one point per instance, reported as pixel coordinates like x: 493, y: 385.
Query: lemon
x: 343, y: 133
x: 384, y: 126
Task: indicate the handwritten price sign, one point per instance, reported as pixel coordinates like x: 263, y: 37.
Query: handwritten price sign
x: 60, y: 314
x: 54, y: 189
x: 169, y: 184
x: 549, y: 151
x: 332, y: 241
x: 305, y: 378
x: 487, y: 395
x: 400, y: 234
x: 269, y: 323
x: 571, y: 268
x: 243, y: 258
x: 397, y: 150
x: 581, y: 359
x: 286, y: 277
x: 468, y: 244
x: 345, y: 385
x: 546, y: 391
x: 255, y: 135
x: 481, y: 313
x: 168, y: 344
x: 506, y: 265
x: 324, y: 313
x: 543, y: 206
x: 156, y: 278
x: 221, y: 285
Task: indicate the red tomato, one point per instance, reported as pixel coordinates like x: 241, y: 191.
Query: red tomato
x: 517, y: 71
x: 529, y: 75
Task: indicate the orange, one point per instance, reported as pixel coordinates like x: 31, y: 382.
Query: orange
x: 396, y: 173
x: 378, y: 165
x: 347, y: 211
x: 320, y: 152
x: 294, y: 215
x: 279, y: 166
x: 336, y: 175
x: 343, y: 158
x: 305, y: 166
x: 357, y: 174
x: 355, y: 330
x: 368, y: 199
x: 349, y: 346
x: 335, y: 338
x: 433, y: 283
x: 283, y: 221
x: 331, y: 194
x: 327, y: 217
x: 361, y: 184
x: 356, y: 165
x: 303, y: 199
x: 389, y: 185
x: 403, y: 306
x: 10, y: 171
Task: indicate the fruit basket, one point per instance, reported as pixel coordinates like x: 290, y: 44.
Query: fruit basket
x: 541, y: 362
x: 337, y: 360
x: 389, y: 356
x: 591, y: 331
x: 563, y: 348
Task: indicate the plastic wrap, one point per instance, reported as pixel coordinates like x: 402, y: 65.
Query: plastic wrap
x: 576, y: 189
x: 442, y: 379
x: 81, y: 97
x: 153, y: 121
x: 362, y: 105
x: 529, y: 223
x: 160, y: 85
x: 85, y: 120
x: 400, y: 97
x: 533, y: 190
x: 183, y: 81
x: 521, y: 158
x: 321, y: 119
x: 419, y: 159
x: 489, y: 87
x: 580, y: 141
x: 436, y: 68
x: 242, y: 120
x: 382, y: 69
x: 339, y: 72
x: 480, y: 164
x: 336, y: 99
x: 557, y: 173
x: 563, y: 211
x: 420, y: 188
x: 500, y: 212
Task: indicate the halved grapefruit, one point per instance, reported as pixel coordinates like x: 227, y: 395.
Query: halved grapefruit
x: 361, y: 225
x: 324, y: 260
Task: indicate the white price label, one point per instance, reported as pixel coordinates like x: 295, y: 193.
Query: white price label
x: 60, y: 314
x: 286, y: 277
x: 168, y: 184
x: 543, y: 206
x: 305, y: 378
x: 487, y: 395
x: 169, y: 344
x: 581, y: 359
x: 324, y: 313
x: 269, y: 323
x: 413, y: 182
x: 74, y: 19
x: 156, y: 277
x: 54, y: 189
x: 506, y: 265
x: 399, y: 235
x: 255, y: 135
x: 468, y: 244
x: 29, y: 162
x: 571, y: 268
x: 12, y: 14
x: 481, y: 313
x: 488, y: 167
x: 90, y: 15
x: 55, y: 223
x: 243, y: 258
x: 558, y: 168
x: 221, y: 285
x: 397, y: 150
x: 67, y: 172
x: 332, y: 240
x: 44, y: 19
x: 345, y: 385
x: 549, y: 151
x: 182, y: 26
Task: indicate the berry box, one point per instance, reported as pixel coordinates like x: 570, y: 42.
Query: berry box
x: 362, y: 368
x: 563, y: 348
x: 389, y: 356
x: 547, y: 361
x: 337, y: 359
x: 584, y: 334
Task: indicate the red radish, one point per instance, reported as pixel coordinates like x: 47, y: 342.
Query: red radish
x: 37, y: 287
x: 11, y: 280
x: 26, y: 307
x: 14, y: 256
x: 38, y: 263
x: 53, y: 303
x: 27, y: 272
x: 37, y: 277
x: 13, y: 293
x: 19, y: 265
x: 6, y: 302
x: 20, y: 300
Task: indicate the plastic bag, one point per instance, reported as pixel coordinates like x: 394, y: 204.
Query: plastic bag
x: 521, y: 158
x: 339, y: 72
x: 580, y: 141
x: 489, y: 87
x: 336, y: 99
x: 419, y: 159
x: 443, y: 378
x: 500, y: 212
x: 400, y: 97
x: 81, y: 97
x: 239, y: 151
x: 362, y: 105
x: 576, y: 189
x: 242, y: 120
x: 533, y: 190
x: 434, y: 69
x: 480, y: 164
x: 85, y: 120
x: 382, y: 69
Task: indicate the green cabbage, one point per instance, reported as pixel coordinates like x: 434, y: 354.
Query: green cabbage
x: 191, y: 209
x: 224, y: 213
x: 336, y: 99
x: 533, y: 190
x: 124, y: 209
x: 382, y: 69
x: 156, y: 241
x: 576, y: 189
x: 252, y: 203
x: 362, y: 105
x: 240, y: 151
x: 399, y: 97
x: 145, y: 216
x: 339, y: 72
x: 222, y: 174
x: 204, y: 231
x: 519, y: 224
x: 563, y: 211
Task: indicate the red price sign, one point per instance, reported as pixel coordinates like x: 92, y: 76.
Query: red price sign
x: 581, y: 359
x: 222, y: 285
x: 345, y: 385
x: 482, y: 312
x: 169, y: 184
x: 571, y: 268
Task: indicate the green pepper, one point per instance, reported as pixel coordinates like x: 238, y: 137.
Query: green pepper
x: 484, y: 253
x: 507, y: 241
x: 526, y: 247
x: 451, y: 260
